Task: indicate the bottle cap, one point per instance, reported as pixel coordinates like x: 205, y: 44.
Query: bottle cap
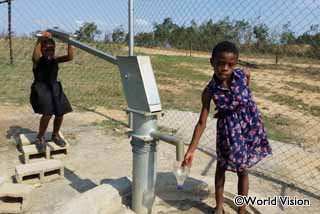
x: 179, y: 187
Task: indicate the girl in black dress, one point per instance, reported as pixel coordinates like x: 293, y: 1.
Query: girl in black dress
x: 47, y: 96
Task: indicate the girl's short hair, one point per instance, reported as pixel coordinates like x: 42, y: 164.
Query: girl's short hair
x: 48, y: 41
x: 225, y: 46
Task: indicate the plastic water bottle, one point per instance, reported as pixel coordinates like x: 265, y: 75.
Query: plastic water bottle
x: 181, y: 174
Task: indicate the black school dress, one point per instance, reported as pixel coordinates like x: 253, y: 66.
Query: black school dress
x: 47, y: 96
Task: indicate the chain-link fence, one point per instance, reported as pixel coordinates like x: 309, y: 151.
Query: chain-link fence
x: 279, y: 42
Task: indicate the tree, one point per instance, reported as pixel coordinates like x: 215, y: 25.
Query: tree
x: 107, y: 37
x: 118, y: 35
x: 163, y: 32
x: 192, y: 36
x: 261, y: 34
x: 225, y: 30
x: 87, y: 32
x: 144, y: 39
x: 312, y: 38
x: 314, y: 29
x: 242, y: 32
x: 287, y: 36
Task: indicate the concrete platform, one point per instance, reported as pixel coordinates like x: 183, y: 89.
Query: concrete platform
x: 105, y: 198
x: 42, y: 172
x: 15, y: 198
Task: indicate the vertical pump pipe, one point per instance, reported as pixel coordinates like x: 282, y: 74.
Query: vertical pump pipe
x: 144, y: 149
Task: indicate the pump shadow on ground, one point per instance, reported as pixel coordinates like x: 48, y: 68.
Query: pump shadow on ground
x: 79, y: 184
x: 101, y: 114
x: 14, y: 132
x: 119, y: 184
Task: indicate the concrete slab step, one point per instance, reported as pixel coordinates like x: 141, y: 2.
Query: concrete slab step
x: 105, y: 198
x: 15, y: 198
x: 39, y: 172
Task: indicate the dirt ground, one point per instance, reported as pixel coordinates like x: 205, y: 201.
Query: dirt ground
x: 109, y: 152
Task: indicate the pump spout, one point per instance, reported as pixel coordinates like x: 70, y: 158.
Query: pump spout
x: 173, y: 140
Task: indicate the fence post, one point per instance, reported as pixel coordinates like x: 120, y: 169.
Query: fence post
x: 131, y: 27
x: 9, y: 32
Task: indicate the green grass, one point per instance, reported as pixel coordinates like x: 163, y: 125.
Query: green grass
x: 174, y: 71
x: 311, y: 73
x: 295, y: 103
x: 167, y: 130
x: 258, y: 89
x: 170, y: 66
x: 109, y: 124
x: 277, y: 128
x: 114, y: 126
x: 90, y: 82
x: 304, y: 86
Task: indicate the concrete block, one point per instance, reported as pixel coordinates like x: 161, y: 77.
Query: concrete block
x: 31, y: 152
x: 42, y: 172
x: 15, y: 198
x: 55, y: 150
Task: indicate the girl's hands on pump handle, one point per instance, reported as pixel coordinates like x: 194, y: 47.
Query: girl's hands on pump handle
x: 44, y: 35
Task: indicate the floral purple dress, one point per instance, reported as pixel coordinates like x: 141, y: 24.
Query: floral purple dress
x: 241, y: 138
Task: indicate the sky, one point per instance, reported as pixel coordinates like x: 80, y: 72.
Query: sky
x: 32, y: 15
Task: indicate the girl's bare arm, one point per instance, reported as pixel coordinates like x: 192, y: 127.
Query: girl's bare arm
x: 36, y: 53
x: 247, y: 73
x: 201, y: 124
x: 199, y: 128
x: 68, y: 57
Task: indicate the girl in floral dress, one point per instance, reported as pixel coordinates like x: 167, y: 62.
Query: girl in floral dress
x: 241, y: 139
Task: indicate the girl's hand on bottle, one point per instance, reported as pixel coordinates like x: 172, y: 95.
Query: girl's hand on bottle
x: 188, y: 158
